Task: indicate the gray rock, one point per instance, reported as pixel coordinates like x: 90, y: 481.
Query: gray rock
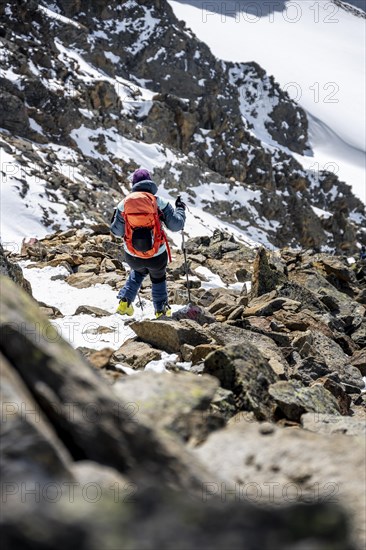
x: 289, y: 465
x: 325, y: 350
x: 14, y: 118
x: 99, y: 427
x: 333, y: 424
x: 98, y: 517
x: 242, y: 369
x: 30, y: 449
x: 359, y: 335
x: 13, y: 271
x: 225, y: 334
x: 175, y: 402
x: 358, y: 360
x: 294, y: 399
x: 267, y: 274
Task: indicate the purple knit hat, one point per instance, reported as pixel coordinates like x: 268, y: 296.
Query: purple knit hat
x: 140, y: 175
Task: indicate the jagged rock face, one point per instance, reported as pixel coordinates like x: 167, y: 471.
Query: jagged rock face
x: 76, y: 86
x: 288, y: 125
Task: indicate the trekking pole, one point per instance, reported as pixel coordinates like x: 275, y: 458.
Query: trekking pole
x: 186, y: 266
x: 140, y: 301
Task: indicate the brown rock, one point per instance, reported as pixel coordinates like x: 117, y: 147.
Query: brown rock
x: 92, y: 310
x: 200, y: 352
x: 358, y: 360
x: 72, y: 259
x: 136, y: 354
x: 101, y: 359
x: 170, y: 335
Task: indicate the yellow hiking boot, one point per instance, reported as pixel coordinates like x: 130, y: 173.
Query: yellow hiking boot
x: 125, y: 308
x: 166, y: 311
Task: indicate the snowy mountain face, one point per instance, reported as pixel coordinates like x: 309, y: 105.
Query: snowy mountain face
x: 89, y: 92
x: 315, y: 51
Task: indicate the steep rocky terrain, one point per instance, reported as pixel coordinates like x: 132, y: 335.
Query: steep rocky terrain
x: 89, y: 92
x: 240, y: 421
x: 261, y: 442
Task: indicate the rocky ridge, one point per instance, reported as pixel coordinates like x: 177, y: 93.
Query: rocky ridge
x: 90, y: 91
x: 276, y: 374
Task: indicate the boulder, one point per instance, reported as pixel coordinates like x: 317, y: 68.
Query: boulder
x: 14, y: 118
x: 200, y: 352
x: 267, y: 304
x: 72, y: 259
x: 340, y: 304
x: 99, y: 516
x: 175, y: 402
x: 170, y: 335
x: 136, y: 354
x: 225, y: 334
x: 331, y: 383
x: 99, y: 427
x: 294, y: 399
x: 312, y: 343
x: 272, y: 464
x: 30, y: 449
x: 242, y: 369
x: 359, y: 335
x: 51, y: 311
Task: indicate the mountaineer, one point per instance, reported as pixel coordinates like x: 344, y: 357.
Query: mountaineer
x: 138, y: 218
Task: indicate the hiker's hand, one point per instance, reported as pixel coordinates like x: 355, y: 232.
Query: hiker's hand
x: 179, y: 203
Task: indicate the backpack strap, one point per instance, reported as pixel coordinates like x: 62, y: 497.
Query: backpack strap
x: 167, y: 245
x: 163, y: 235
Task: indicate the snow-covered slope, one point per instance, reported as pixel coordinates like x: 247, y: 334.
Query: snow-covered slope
x: 316, y: 52
x: 89, y: 98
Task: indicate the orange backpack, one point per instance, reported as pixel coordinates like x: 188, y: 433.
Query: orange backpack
x: 143, y: 230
